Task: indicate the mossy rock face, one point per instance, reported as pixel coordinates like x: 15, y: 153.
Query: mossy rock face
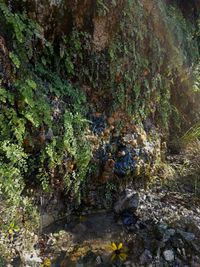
x: 83, y: 76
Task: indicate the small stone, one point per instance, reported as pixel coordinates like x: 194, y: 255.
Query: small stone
x: 106, y: 132
x: 134, y: 143
x: 49, y: 134
x: 128, y: 138
x: 186, y: 235
x: 168, y: 255
x: 142, y: 138
x: 30, y: 258
x: 168, y: 234
x: 99, y: 260
x: 128, y: 264
x: 46, y: 219
x: 171, y: 231
x: 111, y: 120
x: 122, y: 153
x: 146, y: 257
x: 129, y: 200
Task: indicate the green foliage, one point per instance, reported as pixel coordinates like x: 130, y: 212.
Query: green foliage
x: 184, y: 36
x: 15, y: 60
x: 13, y: 166
x: 27, y: 112
x: 143, y: 72
x: 2, y: 262
x: 110, y: 189
x: 103, y: 7
x: 137, y: 83
x: 196, y: 78
x: 136, y: 73
x: 192, y: 134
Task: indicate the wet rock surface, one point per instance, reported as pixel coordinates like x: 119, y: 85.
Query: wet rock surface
x: 128, y: 201
x: 155, y: 232
x: 158, y: 226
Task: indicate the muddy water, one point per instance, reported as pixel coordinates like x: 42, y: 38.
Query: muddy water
x: 87, y: 240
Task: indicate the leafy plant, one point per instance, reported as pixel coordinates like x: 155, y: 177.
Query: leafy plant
x: 192, y: 134
x: 119, y: 252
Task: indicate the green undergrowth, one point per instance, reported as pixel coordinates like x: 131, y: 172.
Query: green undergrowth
x: 143, y: 64
x: 42, y: 119
x: 147, y: 55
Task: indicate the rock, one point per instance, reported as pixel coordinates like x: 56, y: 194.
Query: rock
x: 49, y: 135
x: 187, y: 236
x: 99, y: 260
x: 177, y: 242
x: 30, y: 259
x: 128, y: 138
x: 88, y: 260
x: 98, y: 124
x: 168, y: 255
x: 142, y: 138
x: 129, y: 218
x: 128, y: 264
x: 129, y: 200
x: 125, y: 164
x: 111, y: 120
x: 171, y: 232
x: 148, y: 125
x: 122, y: 153
x: 168, y: 234
x: 146, y: 257
x: 46, y: 219
x: 134, y: 143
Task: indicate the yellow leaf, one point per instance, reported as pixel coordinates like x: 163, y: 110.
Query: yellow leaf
x: 113, y: 245
x: 10, y: 231
x: 47, y: 263
x: 120, y: 246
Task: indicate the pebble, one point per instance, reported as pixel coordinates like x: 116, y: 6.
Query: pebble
x: 146, y: 257
x: 187, y: 236
x: 168, y: 255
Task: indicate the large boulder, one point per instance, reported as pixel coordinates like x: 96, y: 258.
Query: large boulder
x: 129, y: 200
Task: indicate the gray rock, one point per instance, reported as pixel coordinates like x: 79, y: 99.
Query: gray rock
x: 146, y: 257
x: 129, y: 200
x: 168, y: 255
x: 30, y: 259
x: 171, y: 231
x: 46, y: 219
x: 49, y: 134
x: 177, y: 242
x: 99, y: 260
x: 186, y: 235
x: 168, y: 234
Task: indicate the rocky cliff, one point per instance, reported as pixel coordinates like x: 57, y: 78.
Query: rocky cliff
x: 93, y: 94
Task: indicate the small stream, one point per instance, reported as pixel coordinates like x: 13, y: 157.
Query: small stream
x: 163, y: 231
x: 85, y: 241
